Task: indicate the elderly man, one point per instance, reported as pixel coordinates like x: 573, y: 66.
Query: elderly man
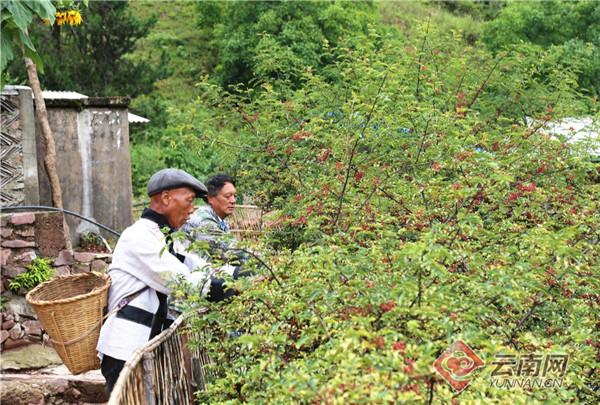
x: 220, y: 203
x: 143, y: 264
x: 208, y: 222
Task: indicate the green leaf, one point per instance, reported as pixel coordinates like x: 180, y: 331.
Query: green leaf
x: 21, y: 13
x: 43, y: 8
x: 5, y: 15
x: 6, y: 48
x: 33, y: 55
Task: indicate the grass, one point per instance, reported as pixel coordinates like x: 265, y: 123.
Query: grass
x: 175, y: 39
x: 407, y: 14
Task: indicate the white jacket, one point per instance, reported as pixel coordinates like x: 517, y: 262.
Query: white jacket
x: 141, y: 259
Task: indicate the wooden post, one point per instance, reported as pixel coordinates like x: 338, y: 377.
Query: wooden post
x: 50, y: 158
x: 148, y: 378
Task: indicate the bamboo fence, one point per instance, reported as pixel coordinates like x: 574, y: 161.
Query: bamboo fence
x: 246, y: 221
x: 163, y: 371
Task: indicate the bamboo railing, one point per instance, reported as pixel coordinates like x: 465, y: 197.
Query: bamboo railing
x: 245, y: 222
x: 163, y: 371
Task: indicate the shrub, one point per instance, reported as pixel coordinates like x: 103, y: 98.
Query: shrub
x: 415, y: 207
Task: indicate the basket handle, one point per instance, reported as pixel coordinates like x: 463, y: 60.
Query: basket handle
x: 57, y: 331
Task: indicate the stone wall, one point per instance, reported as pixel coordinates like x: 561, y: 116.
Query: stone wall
x: 24, y: 237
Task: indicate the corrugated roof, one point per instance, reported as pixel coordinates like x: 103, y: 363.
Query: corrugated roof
x: 136, y: 118
x: 63, y: 95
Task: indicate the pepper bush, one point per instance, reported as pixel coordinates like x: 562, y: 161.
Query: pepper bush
x: 417, y: 197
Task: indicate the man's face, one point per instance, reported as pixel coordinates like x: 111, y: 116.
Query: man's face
x: 224, y: 202
x: 179, y: 206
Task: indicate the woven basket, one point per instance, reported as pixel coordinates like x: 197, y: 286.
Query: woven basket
x: 71, y: 309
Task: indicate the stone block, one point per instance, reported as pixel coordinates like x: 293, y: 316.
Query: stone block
x: 5, y: 232
x: 79, y: 268
x: 4, y: 335
x: 84, y: 257
x: 26, y: 256
x: 62, y: 270
x: 23, y: 218
x: 60, y: 384
x: 16, y: 332
x: 33, y: 328
x: 11, y: 343
x: 107, y: 257
x: 19, y: 307
x: 98, y: 265
x: 13, y: 271
x: 17, y: 243
x: 4, y: 256
x: 76, y: 393
x: 65, y: 257
x: 8, y: 325
x: 27, y: 232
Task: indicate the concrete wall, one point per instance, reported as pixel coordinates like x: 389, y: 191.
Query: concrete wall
x: 26, y: 236
x: 91, y: 137
x: 92, y: 146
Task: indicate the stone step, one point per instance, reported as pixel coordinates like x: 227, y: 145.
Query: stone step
x: 35, y: 375
x: 48, y: 389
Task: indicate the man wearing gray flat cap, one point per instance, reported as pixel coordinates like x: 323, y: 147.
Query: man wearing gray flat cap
x: 143, y: 263
x: 169, y: 179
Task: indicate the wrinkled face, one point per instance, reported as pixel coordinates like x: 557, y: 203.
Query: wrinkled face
x: 179, y: 205
x: 224, y: 202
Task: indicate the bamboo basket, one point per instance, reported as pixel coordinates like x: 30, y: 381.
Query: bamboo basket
x: 71, y: 309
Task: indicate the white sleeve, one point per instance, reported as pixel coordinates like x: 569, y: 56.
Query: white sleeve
x: 141, y: 251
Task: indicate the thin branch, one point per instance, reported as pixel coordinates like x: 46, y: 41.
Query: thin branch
x: 230, y: 145
x: 261, y: 261
x: 352, y: 153
x: 420, y: 56
x: 287, y: 363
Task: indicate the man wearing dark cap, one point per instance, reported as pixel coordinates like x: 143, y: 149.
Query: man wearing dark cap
x: 141, y: 268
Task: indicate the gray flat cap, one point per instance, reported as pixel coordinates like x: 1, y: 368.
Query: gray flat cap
x: 169, y: 179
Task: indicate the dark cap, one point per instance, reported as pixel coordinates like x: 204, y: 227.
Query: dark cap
x: 169, y: 179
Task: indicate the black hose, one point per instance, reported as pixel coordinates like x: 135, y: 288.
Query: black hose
x: 29, y: 207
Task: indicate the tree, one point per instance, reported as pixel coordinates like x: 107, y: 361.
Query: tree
x: 244, y: 33
x: 16, y: 18
x: 412, y: 205
x: 569, y: 31
x: 93, y: 57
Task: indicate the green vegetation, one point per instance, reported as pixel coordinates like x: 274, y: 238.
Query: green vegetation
x: 568, y: 31
x: 175, y: 43
x: 16, y: 18
x: 416, y: 192
x: 91, y: 58
x: 38, y: 272
x: 413, y: 205
x: 246, y: 33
